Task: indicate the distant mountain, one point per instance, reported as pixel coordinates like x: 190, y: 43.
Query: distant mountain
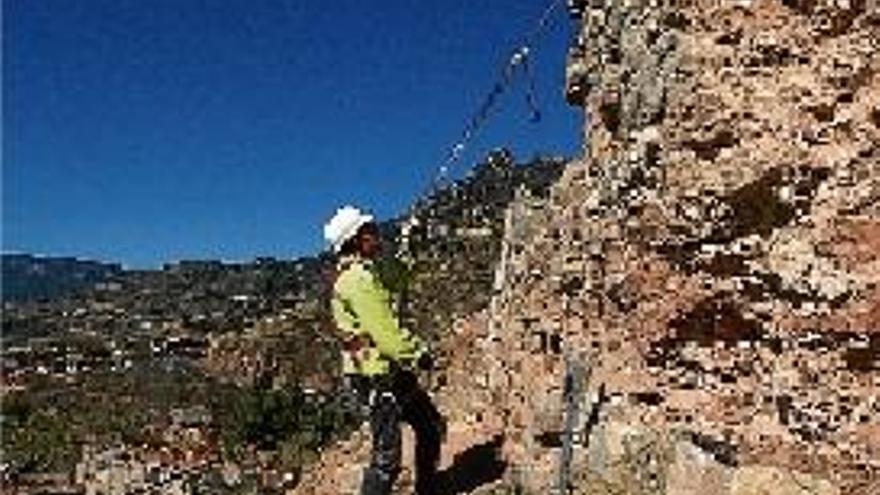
x: 28, y: 277
x: 455, y: 246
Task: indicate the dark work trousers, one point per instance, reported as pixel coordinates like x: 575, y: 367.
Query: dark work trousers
x: 395, y: 398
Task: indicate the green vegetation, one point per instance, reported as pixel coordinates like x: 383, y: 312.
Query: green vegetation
x: 288, y: 421
x: 45, y: 427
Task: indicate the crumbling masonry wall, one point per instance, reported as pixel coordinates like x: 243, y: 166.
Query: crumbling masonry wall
x: 715, y: 258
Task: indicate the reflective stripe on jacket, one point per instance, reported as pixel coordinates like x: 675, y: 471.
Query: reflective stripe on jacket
x: 362, y: 307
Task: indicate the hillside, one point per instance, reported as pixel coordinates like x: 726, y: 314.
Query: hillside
x: 235, y: 357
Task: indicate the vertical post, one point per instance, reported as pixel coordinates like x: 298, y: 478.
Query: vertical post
x: 572, y: 397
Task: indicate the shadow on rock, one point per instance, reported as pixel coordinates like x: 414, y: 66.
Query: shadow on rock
x: 478, y: 465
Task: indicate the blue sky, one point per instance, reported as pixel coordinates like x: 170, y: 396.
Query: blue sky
x: 148, y: 131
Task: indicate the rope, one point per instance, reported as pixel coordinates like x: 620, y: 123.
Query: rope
x: 531, y: 94
x: 517, y: 62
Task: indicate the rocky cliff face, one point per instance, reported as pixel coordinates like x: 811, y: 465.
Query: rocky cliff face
x: 712, y: 263
x: 714, y: 258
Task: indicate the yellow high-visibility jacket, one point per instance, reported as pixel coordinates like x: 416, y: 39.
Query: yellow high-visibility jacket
x: 363, y: 308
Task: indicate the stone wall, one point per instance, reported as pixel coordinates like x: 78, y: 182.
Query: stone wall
x: 714, y: 258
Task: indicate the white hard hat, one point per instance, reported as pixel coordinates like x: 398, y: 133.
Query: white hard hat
x: 344, y: 225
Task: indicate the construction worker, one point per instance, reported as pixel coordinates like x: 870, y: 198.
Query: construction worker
x: 381, y: 356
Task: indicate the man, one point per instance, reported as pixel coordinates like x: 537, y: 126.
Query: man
x: 381, y: 354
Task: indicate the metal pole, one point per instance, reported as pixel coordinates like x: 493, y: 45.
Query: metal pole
x: 571, y: 395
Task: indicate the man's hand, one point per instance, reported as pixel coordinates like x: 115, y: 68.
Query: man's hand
x: 355, y: 343
x: 425, y: 362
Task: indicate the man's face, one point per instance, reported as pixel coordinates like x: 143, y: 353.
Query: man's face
x: 369, y: 242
